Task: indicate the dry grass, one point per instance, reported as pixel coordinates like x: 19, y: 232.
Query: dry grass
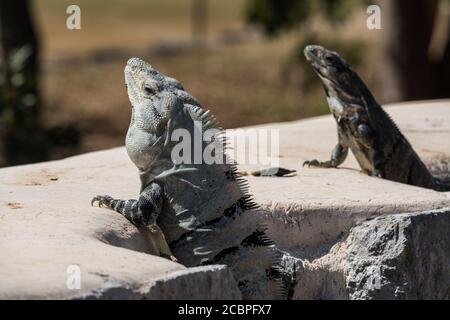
x: 134, y: 23
x: 242, y: 83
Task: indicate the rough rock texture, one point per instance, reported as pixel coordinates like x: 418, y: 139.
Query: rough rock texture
x: 405, y: 256
x: 47, y: 224
x: 319, y: 216
x: 401, y: 256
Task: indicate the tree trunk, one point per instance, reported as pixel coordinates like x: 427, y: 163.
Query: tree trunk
x: 409, y: 73
x: 21, y: 134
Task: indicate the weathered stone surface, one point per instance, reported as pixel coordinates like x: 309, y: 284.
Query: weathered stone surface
x: 47, y: 223
x: 401, y: 256
x: 405, y: 256
x: 201, y: 283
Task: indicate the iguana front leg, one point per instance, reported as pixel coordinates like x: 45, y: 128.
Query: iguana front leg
x: 338, y: 155
x: 142, y: 213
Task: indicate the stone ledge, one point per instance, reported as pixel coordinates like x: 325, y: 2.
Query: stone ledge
x: 47, y: 222
x: 200, y: 283
x: 400, y: 256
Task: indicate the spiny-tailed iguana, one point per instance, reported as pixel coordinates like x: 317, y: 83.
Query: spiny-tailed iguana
x: 203, y: 210
x: 363, y: 126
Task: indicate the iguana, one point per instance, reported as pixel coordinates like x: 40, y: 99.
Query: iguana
x: 203, y: 209
x: 364, y: 127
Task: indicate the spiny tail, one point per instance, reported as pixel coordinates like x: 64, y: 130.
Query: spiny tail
x: 254, y: 263
x: 276, y: 273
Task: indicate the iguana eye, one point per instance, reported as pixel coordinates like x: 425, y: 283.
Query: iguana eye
x: 149, y: 90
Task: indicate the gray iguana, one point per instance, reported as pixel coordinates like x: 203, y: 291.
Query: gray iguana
x: 364, y: 127
x: 204, y: 210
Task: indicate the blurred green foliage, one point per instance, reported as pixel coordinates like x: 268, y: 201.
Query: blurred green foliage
x: 22, y: 138
x: 279, y: 15
x: 352, y: 50
x: 275, y: 16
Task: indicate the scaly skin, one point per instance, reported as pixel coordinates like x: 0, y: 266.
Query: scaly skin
x: 203, y: 210
x: 363, y: 126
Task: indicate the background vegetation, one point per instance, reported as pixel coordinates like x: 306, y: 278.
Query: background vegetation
x: 62, y: 90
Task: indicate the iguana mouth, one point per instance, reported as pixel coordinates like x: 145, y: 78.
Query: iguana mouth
x: 313, y: 55
x: 317, y: 56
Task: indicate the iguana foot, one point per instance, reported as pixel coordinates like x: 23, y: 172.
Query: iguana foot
x: 377, y: 173
x: 374, y: 173
x: 170, y: 257
x: 159, y: 243
x: 319, y: 164
x: 138, y: 212
x: 103, y: 201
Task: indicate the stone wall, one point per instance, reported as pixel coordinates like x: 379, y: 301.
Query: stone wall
x: 351, y: 236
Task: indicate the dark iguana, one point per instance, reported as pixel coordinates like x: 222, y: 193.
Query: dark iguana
x: 363, y: 126
x: 203, y: 210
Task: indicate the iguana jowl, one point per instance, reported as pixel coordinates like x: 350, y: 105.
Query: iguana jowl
x: 364, y: 127
x: 202, y: 209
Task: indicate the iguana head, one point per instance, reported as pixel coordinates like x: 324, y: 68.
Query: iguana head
x: 153, y: 95
x: 337, y: 77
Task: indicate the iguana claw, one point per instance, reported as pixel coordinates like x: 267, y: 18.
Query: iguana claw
x: 102, y: 201
x: 377, y: 173
x: 314, y: 163
x: 320, y: 164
